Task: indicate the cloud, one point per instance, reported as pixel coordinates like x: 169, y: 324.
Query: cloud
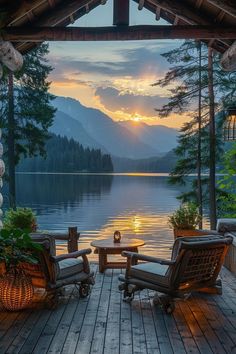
x: 133, y: 62
x: 129, y: 103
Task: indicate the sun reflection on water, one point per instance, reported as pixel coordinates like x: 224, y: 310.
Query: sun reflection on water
x: 134, y: 225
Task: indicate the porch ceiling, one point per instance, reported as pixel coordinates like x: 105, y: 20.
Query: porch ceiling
x: 61, y: 13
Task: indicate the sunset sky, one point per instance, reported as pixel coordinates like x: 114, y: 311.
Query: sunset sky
x: 115, y: 77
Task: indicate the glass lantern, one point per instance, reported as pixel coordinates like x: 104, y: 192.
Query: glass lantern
x: 229, y: 127
x: 117, y: 236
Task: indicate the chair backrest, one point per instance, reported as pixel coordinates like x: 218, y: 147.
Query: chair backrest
x: 47, y: 269
x: 198, y: 260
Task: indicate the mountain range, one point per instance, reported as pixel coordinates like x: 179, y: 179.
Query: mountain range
x: 94, y: 129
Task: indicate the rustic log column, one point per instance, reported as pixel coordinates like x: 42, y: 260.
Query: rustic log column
x: 121, y: 13
x: 228, y: 60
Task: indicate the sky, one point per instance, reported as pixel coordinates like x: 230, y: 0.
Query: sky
x: 115, y: 77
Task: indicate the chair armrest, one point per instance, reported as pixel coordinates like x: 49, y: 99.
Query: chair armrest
x: 75, y: 254
x: 143, y: 257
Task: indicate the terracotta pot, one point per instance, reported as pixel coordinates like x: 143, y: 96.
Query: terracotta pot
x: 188, y: 233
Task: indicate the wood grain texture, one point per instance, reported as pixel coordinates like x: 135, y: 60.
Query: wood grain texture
x: 104, y: 324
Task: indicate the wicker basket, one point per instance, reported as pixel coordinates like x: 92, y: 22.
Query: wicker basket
x: 16, y: 289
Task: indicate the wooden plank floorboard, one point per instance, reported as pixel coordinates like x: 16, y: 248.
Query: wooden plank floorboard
x: 103, y: 324
x: 112, y: 336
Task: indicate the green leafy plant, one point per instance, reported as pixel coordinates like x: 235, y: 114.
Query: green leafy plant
x: 187, y: 217
x: 21, y: 218
x: 17, y: 246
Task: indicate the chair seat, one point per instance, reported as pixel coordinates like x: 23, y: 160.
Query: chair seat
x: 69, y: 267
x: 151, y: 272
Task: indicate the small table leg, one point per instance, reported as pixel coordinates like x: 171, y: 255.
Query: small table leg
x: 102, y: 261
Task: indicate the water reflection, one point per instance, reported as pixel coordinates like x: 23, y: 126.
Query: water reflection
x: 137, y: 205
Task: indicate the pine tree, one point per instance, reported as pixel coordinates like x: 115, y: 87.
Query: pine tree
x: 189, y: 69
x: 26, y: 111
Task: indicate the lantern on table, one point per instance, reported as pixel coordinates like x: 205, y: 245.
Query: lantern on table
x: 229, y: 127
x: 117, y: 236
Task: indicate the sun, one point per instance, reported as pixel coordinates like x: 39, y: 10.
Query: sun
x: 136, y: 118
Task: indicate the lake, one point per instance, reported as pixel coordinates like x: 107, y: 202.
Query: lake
x: 137, y: 205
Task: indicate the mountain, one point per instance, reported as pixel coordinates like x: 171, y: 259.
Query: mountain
x: 164, y: 163
x: 115, y: 139
x: 65, y: 125
x: 159, y: 137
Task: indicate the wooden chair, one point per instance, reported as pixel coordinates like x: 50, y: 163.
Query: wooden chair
x: 54, y: 272
x: 195, y: 264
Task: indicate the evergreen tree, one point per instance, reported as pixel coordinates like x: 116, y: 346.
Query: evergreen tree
x: 26, y: 111
x: 189, y: 69
x: 67, y: 155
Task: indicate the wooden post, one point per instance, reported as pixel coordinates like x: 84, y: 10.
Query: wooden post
x: 121, y: 13
x: 212, y: 138
x: 199, y: 147
x: 73, y: 239
x: 11, y: 142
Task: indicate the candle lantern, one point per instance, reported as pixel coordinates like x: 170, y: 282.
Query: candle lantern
x: 229, y: 127
x: 117, y: 236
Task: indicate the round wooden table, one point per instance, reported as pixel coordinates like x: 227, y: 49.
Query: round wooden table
x: 108, y: 246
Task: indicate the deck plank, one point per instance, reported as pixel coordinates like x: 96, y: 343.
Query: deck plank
x: 103, y: 324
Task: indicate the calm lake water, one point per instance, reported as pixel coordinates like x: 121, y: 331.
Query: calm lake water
x: 136, y: 204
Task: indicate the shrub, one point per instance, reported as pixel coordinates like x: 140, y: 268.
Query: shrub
x: 21, y: 218
x: 187, y: 217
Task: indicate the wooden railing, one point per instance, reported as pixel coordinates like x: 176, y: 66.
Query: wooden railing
x: 71, y: 237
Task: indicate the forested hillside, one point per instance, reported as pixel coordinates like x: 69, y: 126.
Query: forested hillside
x: 67, y: 155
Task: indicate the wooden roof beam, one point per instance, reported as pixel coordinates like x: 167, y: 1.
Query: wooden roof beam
x: 158, y: 13
x: 143, y: 32
x: 25, y: 7
x: 140, y: 5
x: 61, y: 12
x: 182, y: 11
x: 121, y: 13
x: 228, y: 6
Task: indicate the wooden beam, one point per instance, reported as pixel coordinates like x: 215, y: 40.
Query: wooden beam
x: 177, y: 8
x: 39, y: 34
x: 184, y: 12
x: 25, y: 7
x: 228, y: 60
x: 61, y: 12
x: 121, y: 13
x: 158, y: 13
x: 227, y: 6
x: 140, y: 5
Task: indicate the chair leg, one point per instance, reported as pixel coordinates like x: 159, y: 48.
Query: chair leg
x: 52, y: 298
x: 84, y: 289
x: 166, y: 302
x: 214, y: 289
x: 128, y: 291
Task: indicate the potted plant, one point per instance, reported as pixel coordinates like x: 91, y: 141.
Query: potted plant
x: 16, y: 288
x: 185, y: 220
x: 21, y: 218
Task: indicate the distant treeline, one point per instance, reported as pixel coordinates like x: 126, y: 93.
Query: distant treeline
x: 154, y: 164
x: 67, y: 155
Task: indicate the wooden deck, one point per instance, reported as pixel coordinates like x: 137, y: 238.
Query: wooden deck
x: 103, y: 323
